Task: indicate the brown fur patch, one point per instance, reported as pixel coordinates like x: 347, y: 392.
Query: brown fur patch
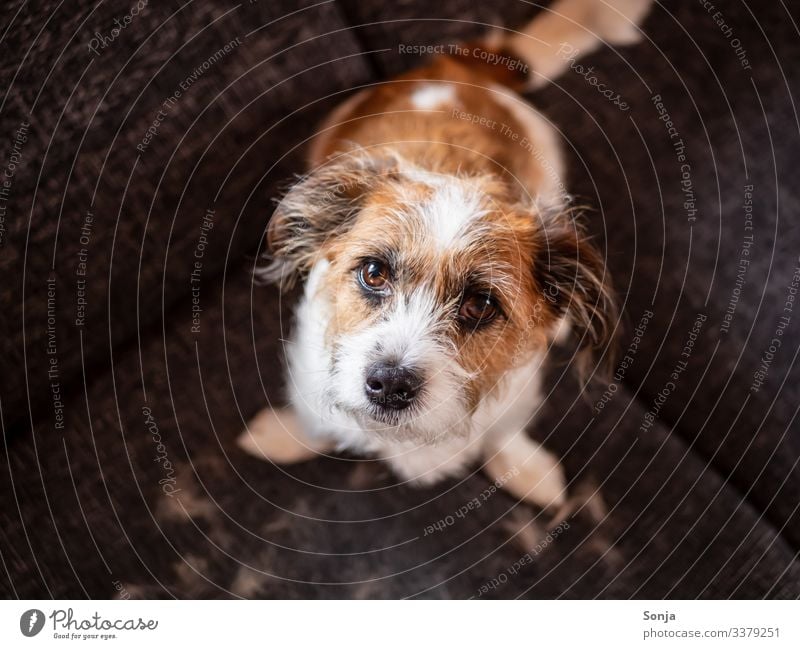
x: 476, y: 134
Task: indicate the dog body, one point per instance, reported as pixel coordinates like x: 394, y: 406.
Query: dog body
x: 440, y: 262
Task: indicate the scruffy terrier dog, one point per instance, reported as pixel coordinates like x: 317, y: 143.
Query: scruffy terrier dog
x: 441, y: 259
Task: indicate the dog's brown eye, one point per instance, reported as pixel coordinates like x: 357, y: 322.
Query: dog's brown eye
x: 374, y: 275
x: 478, y: 308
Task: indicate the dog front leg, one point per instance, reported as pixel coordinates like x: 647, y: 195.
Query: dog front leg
x: 525, y: 469
x: 278, y: 435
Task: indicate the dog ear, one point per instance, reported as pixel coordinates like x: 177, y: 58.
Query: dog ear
x: 319, y: 207
x: 572, y: 276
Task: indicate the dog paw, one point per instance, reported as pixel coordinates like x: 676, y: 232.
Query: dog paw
x: 527, y: 471
x: 278, y: 436
x: 617, y: 22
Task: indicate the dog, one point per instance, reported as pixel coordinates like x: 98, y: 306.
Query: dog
x: 441, y: 259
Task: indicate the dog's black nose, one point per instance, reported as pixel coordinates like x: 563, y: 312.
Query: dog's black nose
x: 392, y: 386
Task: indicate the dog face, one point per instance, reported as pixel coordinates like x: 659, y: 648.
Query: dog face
x: 435, y: 286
